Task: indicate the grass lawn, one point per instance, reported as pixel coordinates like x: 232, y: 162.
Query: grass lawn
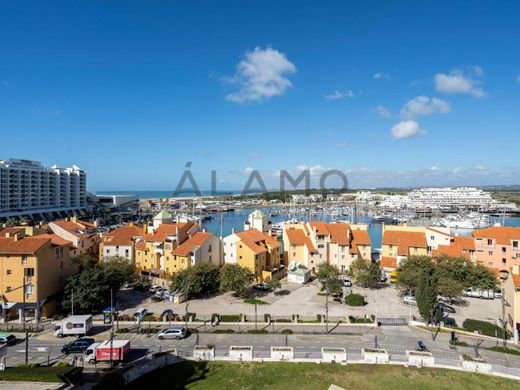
x: 231, y: 375
x: 33, y: 374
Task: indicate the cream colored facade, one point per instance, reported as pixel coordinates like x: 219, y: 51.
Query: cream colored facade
x: 511, y: 288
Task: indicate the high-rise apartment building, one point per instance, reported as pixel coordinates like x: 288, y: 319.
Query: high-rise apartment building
x: 27, y: 187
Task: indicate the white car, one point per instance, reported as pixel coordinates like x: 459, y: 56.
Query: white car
x: 346, y: 281
x: 172, y: 333
x: 410, y: 300
x: 153, y: 288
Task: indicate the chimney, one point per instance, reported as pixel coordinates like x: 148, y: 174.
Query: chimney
x: 15, y: 236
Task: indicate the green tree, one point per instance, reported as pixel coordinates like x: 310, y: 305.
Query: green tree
x: 84, y: 262
x: 328, y: 275
x: 197, y: 280
x: 366, y: 273
x: 91, y: 291
x: 426, y: 293
x: 118, y: 271
x: 12, y: 221
x: 409, y: 270
x: 235, y: 278
x: 482, y: 277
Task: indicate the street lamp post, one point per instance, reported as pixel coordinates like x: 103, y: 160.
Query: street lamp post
x: 327, y: 306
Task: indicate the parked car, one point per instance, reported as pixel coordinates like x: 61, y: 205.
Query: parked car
x: 448, y: 321
x: 346, y: 281
x: 478, y: 293
x: 153, y: 288
x: 7, y: 338
x: 410, y: 300
x: 140, y: 314
x: 261, y: 286
x: 159, y: 291
x: 78, y: 345
x: 172, y: 333
x: 446, y: 309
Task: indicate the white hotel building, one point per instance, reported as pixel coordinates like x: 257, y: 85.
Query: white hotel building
x: 28, y: 188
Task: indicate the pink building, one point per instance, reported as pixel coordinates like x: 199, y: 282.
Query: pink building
x: 498, y: 247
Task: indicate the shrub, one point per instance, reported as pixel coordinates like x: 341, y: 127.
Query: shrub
x: 512, y: 351
x: 458, y: 343
x: 257, y: 331
x: 125, y: 317
x: 360, y: 320
x: 318, y: 317
x: 62, y: 364
x: 287, y: 331
x: 123, y: 330
x: 484, y: 327
x: 253, y: 301
x: 151, y: 318
x: 229, y: 318
x: 284, y: 320
x: 355, y: 300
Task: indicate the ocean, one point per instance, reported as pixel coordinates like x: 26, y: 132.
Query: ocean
x: 156, y: 194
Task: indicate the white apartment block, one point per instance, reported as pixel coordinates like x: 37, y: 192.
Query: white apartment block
x: 27, y: 188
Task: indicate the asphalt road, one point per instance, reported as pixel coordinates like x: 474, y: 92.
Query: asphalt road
x: 396, y: 340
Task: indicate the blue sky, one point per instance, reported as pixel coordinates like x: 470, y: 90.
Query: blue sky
x: 392, y: 93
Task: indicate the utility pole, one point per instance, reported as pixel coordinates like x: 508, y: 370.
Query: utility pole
x: 327, y: 306
x: 24, y: 327
x: 256, y: 315
x: 112, y: 331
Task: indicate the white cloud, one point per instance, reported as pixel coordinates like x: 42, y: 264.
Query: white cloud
x: 434, y: 168
x: 381, y: 76
x: 382, y: 111
x: 261, y: 75
x: 458, y: 83
x: 407, y: 129
x: 247, y: 171
x: 416, y: 83
x: 423, y: 105
x: 340, y: 95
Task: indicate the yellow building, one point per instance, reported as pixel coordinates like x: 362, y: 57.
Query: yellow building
x: 315, y: 242
x: 154, y: 253
x: 41, y: 264
x: 202, y: 247
x: 400, y: 242
x: 257, y: 251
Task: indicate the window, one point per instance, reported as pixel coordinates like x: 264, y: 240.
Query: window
x: 9, y: 272
x: 504, y: 260
x: 515, y: 244
x: 209, y: 249
x: 24, y: 259
x: 294, y: 254
x: 503, y: 249
x: 432, y: 238
x: 108, y: 251
x: 29, y: 272
x: 390, y: 247
x: 490, y: 253
x: 28, y: 289
x: 490, y: 264
x: 210, y: 258
x: 127, y: 253
x: 490, y: 241
x: 415, y: 250
x: 117, y: 248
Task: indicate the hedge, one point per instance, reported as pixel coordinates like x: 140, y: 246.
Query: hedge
x: 483, y: 327
x: 355, y: 300
x: 229, y: 318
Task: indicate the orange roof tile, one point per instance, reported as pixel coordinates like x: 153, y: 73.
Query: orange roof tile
x: 10, y: 231
x: 191, y: 243
x: 339, y: 232
x: 388, y: 262
x: 27, y: 245
x: 359, y: 237
x: 255, y: 240
x: 141, y: 245
x: 404, y: 240
x: 124, y: 235
x: 321, y: 228
x: 78, y: 228
x: 168, y: 229
x: 55, y: 239
x: 502, y: 234
x: 298, y: 237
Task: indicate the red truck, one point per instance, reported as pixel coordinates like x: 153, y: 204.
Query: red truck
x: 115, y: 350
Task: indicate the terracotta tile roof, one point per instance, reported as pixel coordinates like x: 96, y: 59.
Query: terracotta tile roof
x: 339, y: 232
x: 27, y: 245
x: 459, y: 247
x: 502, y: 234
x: 321, y: 227
x: 255, y: 240
x: 124, y: 235
x: 168, y: 229
x: 438, y: 231
x: 79, y: 228
x: 388, y: 262
x: 10, y: 231
x: 55, y: 239
x: 359, y: 237
x: 141, y: 245
x: 298, y: 237
x: 192, y: 243
x: 404, y: 240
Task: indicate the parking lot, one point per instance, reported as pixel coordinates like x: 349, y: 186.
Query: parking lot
x: 305, y: 301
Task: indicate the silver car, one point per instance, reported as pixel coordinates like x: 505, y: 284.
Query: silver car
x: 172, y: 333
